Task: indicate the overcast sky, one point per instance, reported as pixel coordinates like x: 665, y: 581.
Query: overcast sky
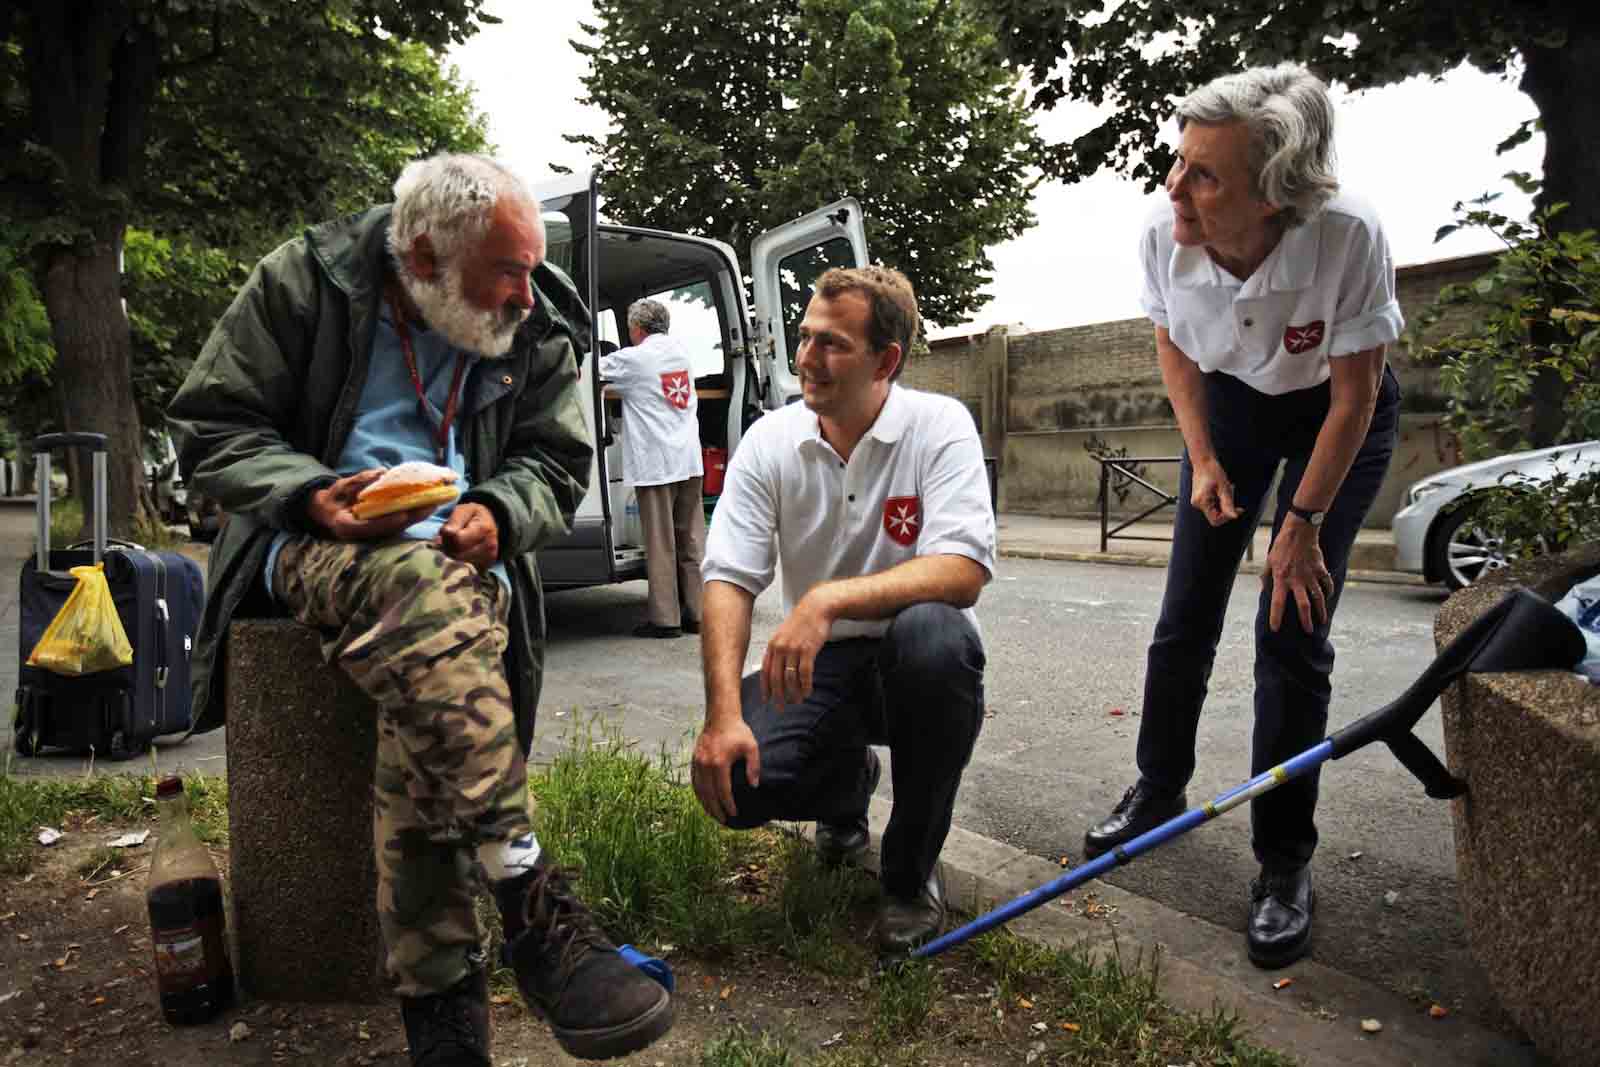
x: 1413, y: 149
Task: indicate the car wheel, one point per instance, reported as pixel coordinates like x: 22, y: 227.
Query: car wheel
x: 1464, y: 550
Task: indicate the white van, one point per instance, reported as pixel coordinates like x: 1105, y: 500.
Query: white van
x: 743, y: 358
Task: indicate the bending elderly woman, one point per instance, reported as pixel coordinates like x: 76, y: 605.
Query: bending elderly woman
x: 1273, y: 299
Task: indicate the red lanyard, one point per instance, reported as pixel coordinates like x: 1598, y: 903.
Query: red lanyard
x: 442, y: 437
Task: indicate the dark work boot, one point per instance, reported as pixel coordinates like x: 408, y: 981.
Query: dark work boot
x: 450, y: 1029
x: 1141, y: 809
x: 906, y: 922
x: 598, y: 1005
x: 841, y: 844
x: 1281, y: 903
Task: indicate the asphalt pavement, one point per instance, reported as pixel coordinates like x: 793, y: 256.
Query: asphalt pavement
x: 1065, y: 635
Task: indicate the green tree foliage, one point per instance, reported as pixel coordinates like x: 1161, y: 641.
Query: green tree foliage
x: 1142, y: 55
x: 729, y: 124
x: 221, y: 124
x: 1534, y: 324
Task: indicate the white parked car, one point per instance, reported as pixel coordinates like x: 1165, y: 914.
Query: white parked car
x: 1449, y: 545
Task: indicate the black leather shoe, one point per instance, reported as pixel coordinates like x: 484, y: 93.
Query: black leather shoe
x: 1141, y: 809
x: 1281, y: 904
x: 450, y: 1029
x: 904, y: 924
x: 841, y: 844
x: 650, y: 629
x: 691, y: 626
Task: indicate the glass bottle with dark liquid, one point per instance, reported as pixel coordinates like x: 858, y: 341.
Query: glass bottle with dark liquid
x: 187, y: 924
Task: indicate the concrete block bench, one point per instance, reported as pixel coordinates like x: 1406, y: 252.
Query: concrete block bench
x: 300, y: 741
x: 1528, y: 831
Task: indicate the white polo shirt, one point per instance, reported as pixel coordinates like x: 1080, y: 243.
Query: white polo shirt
x: 660, y: 428
x: 914, y: 486
x: 1327, y: 290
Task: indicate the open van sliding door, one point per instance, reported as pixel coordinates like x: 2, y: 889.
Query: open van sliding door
x: 785, y: 264
x: 585, y: 556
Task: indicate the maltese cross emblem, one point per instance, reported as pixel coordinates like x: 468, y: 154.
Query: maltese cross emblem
x: 1299, y: 339
x: 902, y: 519
x: 675, y: 387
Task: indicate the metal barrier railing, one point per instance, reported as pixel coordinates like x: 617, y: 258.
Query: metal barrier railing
x: 1123, y: 465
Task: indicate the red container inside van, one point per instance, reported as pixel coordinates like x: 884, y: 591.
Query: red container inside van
x: 716, y: 465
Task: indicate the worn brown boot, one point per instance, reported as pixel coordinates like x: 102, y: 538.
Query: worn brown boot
x: 599, y: 1006
x: 450, y: 1029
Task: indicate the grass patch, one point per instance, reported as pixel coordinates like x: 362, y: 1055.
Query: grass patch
x: 663, y: 875
x: 741, y: 1048
x: 1113, y: 1007
x: 29, y: 803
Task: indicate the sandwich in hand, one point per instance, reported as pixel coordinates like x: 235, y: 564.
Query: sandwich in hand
x: 410, y: 485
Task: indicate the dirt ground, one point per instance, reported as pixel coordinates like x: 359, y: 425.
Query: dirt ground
x: 76, y: 988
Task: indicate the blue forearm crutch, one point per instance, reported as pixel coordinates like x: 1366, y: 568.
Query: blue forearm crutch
x: 1521, y: 632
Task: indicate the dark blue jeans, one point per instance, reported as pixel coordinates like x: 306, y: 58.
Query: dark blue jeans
x: 919, y: 690
x: 1252, y: 432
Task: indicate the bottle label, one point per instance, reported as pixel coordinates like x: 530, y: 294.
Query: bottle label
x: 190, y: 955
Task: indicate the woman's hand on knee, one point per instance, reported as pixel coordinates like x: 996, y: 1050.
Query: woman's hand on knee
x: 1295, y: 569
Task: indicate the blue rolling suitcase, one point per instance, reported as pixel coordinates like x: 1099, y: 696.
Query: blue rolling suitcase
x: 159, y: 596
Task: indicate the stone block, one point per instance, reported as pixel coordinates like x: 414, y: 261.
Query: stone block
x: 301, y: 739
x: 1528, y: 831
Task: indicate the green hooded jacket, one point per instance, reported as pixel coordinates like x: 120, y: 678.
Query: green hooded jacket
x: 265, y: 412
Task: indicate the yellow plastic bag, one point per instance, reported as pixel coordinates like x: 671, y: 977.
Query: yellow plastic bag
x: 86, y: 635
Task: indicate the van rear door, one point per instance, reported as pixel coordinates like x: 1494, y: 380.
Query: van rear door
x: 586, y: 556
x: 785, y: 263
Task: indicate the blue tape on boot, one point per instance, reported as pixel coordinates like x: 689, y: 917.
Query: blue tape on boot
x: 655, y: 968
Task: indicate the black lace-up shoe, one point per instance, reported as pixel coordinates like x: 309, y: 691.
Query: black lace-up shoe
x: 599, y: 1006
x: 841, y: 844
x: 1281, y: 903
x: 450, y: 1029
x: 1141, y: 809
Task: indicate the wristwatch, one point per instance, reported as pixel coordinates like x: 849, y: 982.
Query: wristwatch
x: 1313, y: 517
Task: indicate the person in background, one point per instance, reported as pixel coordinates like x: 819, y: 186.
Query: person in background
x: 662, y: 461
x: 1273, y: 299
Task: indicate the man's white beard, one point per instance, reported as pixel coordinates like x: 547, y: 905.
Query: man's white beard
x: 488, y: 333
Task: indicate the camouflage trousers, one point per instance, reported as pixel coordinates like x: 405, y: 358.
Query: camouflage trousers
x: 422, y: 635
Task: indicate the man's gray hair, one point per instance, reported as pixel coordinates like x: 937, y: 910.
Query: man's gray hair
x: 1290, y: 119
x: 451, y: 198
x: 651, y: 316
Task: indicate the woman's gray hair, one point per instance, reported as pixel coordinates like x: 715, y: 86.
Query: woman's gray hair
x: 1290, y: 119
x: 451, y: 198
x: 651, y: 316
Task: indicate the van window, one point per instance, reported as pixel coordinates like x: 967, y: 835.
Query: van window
x: 558, y: 240
x: 697, y: 324
x: 797, y: 277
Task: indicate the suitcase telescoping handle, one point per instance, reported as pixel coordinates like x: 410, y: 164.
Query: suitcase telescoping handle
x: 41, y: 465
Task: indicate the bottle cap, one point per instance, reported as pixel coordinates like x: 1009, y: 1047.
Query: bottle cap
x: 170, y: 786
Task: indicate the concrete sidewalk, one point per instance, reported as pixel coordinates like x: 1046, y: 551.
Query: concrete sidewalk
x: 1317, y: 1018
x: 1149, y: 544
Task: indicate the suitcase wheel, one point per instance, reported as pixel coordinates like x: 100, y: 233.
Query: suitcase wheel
x: 26, y: 737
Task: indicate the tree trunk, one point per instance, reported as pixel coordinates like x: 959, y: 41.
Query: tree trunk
x: 93, y: 371
x: 1564, y: 84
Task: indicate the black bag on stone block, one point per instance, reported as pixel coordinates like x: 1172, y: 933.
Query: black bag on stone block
x: 159, y: 596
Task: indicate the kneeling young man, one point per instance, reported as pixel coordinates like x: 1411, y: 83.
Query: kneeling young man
x: 876, y: 500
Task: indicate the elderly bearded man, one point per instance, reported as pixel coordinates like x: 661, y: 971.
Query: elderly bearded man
x: 427, y: 330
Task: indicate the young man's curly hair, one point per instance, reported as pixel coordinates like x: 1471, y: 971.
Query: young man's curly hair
x: 891, y: 305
